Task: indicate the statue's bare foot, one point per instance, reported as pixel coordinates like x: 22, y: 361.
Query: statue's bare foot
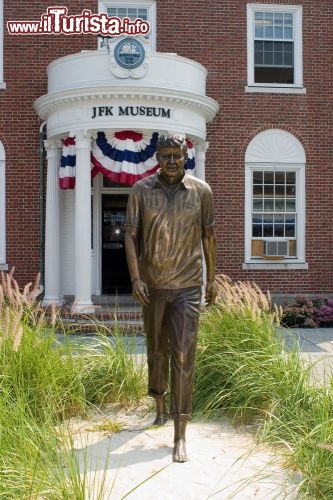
x: 162, y: 415
x: 179, y: 451
x: 161, y: 419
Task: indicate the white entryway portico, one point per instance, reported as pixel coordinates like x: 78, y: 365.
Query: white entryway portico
x: 89, y: 92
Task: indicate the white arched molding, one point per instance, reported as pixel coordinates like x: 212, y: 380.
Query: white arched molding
x: 275, y: 151
x: 3, y: 264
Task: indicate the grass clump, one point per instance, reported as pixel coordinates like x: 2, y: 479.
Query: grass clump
x: 109, y: 374
x: 244, y: 371
x: 42, y: 383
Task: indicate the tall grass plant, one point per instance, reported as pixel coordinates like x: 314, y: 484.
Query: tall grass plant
x: 42, y: 383
x: 244, y: 370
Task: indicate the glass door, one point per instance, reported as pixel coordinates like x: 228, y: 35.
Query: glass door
x: 115, y: 275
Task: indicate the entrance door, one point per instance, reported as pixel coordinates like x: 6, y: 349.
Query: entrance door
x: 115, y: 275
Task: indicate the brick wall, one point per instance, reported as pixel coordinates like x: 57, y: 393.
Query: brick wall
x: 213, y: 33
x: 25, y: 62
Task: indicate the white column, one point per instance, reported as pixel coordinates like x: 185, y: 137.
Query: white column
x: 53, y: 292
x: 200, y: 159
x: 82, y: 301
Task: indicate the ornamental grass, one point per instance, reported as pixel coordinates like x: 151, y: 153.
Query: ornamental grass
x: 244, y: 370
x: 43, y: 382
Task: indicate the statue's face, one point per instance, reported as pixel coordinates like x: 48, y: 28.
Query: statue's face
x: 172, y: 161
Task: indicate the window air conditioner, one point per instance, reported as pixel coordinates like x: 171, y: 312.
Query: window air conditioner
x: 276, y: 248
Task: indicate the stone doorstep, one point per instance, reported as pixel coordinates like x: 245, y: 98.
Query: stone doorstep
x: 103, y: 328
x: 107, y: 318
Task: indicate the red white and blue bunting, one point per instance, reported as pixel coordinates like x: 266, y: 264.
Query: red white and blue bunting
x: 123, y: 157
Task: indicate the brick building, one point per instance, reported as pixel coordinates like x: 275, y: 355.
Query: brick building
x: 249, y: 83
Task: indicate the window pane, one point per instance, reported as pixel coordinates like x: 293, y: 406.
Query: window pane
x: 288, y: 19
x: 268, y: 31
x: 258, y: 177
x: 278, y: 32
x: 259, y: 31
x: 288, y: 33
x: 269, y: 177
x: 257, y: 205
x: 122, y: 12
x: 257, y: 191
x: 278, y: 18
x: 269, y: 191
x: 290, y: 191
x: 268, y: 16
x: 112, y: 12
x: 279, y: 206
x: 268, y: 58
x: 280, y: 177
x: 257, y: 230
x: 287, y: 59
x: 268, y: 230
x: 290, y: 177
x: 291, y: 206
x: 278, y: 58
x: 259, y: 58
x: 279, y: 191
x: 290, y: 230
x: 268, y: 205
x: 143, y: 14
x: 279, y: 231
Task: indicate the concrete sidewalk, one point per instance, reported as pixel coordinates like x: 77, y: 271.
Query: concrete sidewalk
x: 314, y: 344
x: 316, y: 349
x: 226, y: 463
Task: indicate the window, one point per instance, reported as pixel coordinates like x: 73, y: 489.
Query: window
x: 274, y: 46
x: 133, y: 9
x: 3, y: 264
x: 275, y: 193
x: 2, y: 84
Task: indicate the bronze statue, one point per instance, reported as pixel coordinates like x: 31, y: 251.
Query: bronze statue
x: 169, y: 222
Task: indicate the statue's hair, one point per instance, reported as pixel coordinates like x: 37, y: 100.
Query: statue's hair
x: 172, y: 139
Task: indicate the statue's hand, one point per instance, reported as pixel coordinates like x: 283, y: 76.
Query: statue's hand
x: 140, y: 292
x: 211, y: 292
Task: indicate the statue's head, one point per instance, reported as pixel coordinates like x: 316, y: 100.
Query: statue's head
x: 172, y: 140
x: 172, y: 155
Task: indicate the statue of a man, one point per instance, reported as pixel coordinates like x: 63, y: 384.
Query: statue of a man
x: 169, y: 222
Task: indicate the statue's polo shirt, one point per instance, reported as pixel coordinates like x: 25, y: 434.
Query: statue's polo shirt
x: 171, y: 224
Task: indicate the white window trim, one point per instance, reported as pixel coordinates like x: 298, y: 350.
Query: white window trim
x: 148, y: 4
x: 2, y: 83
x: 299, y: 261
x: 297, y: 86
x: 3, y: 265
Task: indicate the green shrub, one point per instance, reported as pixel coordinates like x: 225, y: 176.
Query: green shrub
x: 308, y: 312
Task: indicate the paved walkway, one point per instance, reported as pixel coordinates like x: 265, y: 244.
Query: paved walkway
x: 316, y: 348
x: 226, y: 463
